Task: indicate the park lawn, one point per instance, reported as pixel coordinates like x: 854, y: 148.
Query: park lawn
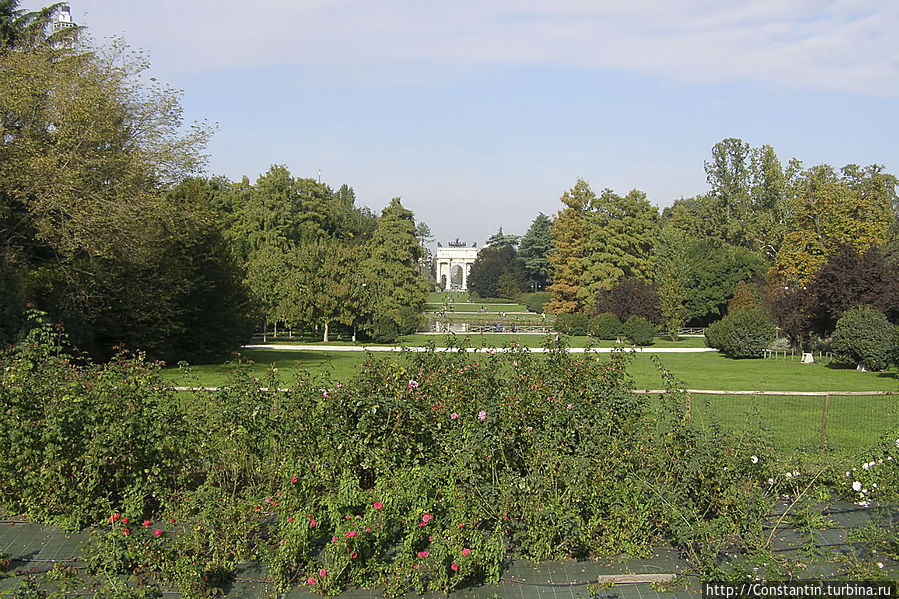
x: 695, y: 370
x: 331, y: 366
x: 494, y: 340
x: 793, y: 424
x: 715, y: 371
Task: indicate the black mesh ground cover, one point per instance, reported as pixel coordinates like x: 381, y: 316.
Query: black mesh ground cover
x: 33, y: 550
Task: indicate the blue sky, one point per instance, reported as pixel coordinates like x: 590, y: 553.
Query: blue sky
x: 479, y: 114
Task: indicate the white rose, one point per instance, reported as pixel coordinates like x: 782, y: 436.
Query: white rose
x: 856, y: 486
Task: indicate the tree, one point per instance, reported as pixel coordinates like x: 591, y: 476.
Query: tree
x: 534, y: 251
x: 864, y: 338
x: 713, y: 271
x: 620, y: 234
x: 499, y: 239
x: 325, y: 286
x: 747, y: 296
x: 87, y: 155
x: 828, y: 211
x: 670, y: 265
x: 728, y: 175
x: 793, y: 309
x: 850, y: 279
x: 630, y: 297
x: 569, y: 249
x: 397, y: 289
x: 766, y: 218
x: 497, y: 272
x: 698, y: 217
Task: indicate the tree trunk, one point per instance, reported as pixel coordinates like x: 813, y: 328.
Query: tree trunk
x: 325, y: 339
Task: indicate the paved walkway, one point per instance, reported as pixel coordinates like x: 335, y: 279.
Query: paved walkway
x: 536, y: 350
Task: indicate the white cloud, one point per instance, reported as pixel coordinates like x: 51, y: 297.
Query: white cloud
x: 843, y: 45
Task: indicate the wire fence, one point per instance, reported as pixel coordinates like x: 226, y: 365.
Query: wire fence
x: 835, y: 422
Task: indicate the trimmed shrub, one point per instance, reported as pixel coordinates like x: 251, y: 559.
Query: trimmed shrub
x: 864, y: 337
x: 605, y: 326
x: 743, y: 334
x: 534, y: 301
x: 638, y: 330
x: 573, y: 324
x: 384, y: 329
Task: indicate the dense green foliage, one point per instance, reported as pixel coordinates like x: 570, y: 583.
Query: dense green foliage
x: 638, y: 330
x: 498, y: 271
x: 605, y: 326
x: 534, y: 252
x: 397, y: 291
x: 416, y: 478
x: 91, y: 230
x: 742, y: 334
x: 536, y: 301
x: 575, y: 323
x: 864, y: 337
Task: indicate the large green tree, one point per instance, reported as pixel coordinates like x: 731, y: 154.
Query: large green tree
x: 396, y: 288
x: 670, y: 267
x: 620, y: 234
x: 497, y: 272
x: 534, y: 252
x: 713, y: 270
x: 88, y: 154
x: 829, y: 210
x: 324, y: 285
x: 728, y: 175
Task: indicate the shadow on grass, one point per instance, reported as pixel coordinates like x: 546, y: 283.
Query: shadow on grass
x: 890, y: 373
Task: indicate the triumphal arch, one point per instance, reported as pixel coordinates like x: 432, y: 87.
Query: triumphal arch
x: 454, y: 259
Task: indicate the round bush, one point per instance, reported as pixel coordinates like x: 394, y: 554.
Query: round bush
x: 639, y: 330
x: 864, y: 337
x: 384, y: 329
x: 605, y: 326
x: 534, y: 301
x: 572, y: 324
x: 743, y: 334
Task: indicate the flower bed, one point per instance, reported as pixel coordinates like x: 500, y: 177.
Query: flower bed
x: 417, y: 475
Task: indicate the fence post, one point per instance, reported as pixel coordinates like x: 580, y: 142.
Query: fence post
x: 824, y: 423
x: 689, y: 406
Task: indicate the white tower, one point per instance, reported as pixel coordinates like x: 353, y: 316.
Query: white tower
x: 63, y: 19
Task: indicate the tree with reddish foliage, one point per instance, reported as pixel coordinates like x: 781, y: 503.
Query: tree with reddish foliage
x: 793, y: 309
x: 851, y: 279
x: 630, y: 297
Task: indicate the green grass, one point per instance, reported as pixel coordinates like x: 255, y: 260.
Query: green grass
x: 476, y: 340
x: 791, y: 423
x: 714, y: 371
x: 695, y: 370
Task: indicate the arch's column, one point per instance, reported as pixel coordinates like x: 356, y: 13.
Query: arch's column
x: 464, y: 276
x: 449, y: 274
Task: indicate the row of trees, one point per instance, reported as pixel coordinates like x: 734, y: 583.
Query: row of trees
x: 106, y: 225
x: 807, y: 244
x: 509, y: 265
x: 313, y: 259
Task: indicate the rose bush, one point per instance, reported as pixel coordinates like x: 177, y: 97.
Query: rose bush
x: 424, y: 473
